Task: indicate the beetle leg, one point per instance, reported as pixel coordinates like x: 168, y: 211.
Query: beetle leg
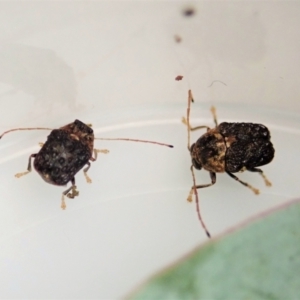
x: 199, y: 127
x: 267, y: 182
x: 256, y: 191
x: 71, y: 195
x: 184, y: 121
x: 18, y: 175
x: 195, y: 187
x: 213, y: 178
x: 88, y: 179
x: 213, y: 111
x: 63, y: 203
x: 187, y: 123
x: 96, y: 151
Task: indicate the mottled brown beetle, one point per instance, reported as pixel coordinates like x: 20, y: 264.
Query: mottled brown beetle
x: 66, y: 151
x: 230, y: 148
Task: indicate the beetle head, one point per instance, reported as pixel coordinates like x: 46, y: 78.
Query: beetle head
x: 195, y: 160
x: 78, y: 128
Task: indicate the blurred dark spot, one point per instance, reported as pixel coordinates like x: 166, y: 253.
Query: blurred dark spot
x: 177, y: 38
x: 188, y: 11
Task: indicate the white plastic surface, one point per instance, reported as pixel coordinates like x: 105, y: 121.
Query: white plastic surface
x: 113, y: 64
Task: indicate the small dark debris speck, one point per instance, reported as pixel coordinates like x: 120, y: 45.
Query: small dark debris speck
x: 177, y: 38
x: 189, y: 12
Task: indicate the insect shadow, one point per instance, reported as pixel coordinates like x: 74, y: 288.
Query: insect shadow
x: 67, y: 150
x: 228, y: 148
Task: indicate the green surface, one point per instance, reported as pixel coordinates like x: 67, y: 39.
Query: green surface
x: 260, y: 261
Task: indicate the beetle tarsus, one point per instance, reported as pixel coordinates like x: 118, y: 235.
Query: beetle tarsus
x: 18, y: 175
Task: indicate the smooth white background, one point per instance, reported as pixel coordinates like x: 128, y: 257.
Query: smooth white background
x: 113, y: 64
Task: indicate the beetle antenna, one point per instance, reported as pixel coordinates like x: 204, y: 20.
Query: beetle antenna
x: 194, y: 188
x: 16, y: 129
x: 190, y: 99
x: 134, y: 140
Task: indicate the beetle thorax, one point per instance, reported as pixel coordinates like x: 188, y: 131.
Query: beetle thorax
x: 209, y: 152
x: 81, y: 132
